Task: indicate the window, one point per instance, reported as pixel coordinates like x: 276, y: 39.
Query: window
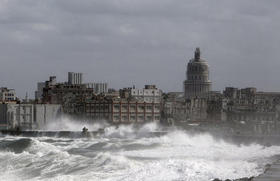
x: 140, y: 118
x: 132, y: 117
x: 116, y: 108
x: 132, y: 108
x: 124, y: 118
x: 124, y: 107
x: 140, y: 108
x: 157, y: 108
x: 149, y: 118
x: 149, y: 108
x: 116, y: 117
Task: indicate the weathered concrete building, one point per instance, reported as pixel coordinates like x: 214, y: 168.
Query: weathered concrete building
x: 175, y: 108
x: 114, y: 110
x: 7, y: 95
x: 260, y: 111
x: 178, y: 110
x: 113, y: 93
x: 98, y: 88
x: 27, y: 116
x: 61, y: 93
x: 149, y: 94
x: 75, y: 78
x: 135, y: 111
x: 95, y: 108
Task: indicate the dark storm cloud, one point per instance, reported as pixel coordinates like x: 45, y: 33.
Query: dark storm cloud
x: 126, y: 42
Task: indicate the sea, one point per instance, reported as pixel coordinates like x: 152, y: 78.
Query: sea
x: 129, y: 153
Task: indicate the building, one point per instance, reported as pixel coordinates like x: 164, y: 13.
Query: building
x: 27, y: 116
x: 61, y: 93
x: 231, y: 92
x: 260, y: 111
x: 215, y: 103
x: 114, y: 110
x: 135, y: 111
x: 98, y: 108
x: 98, y: 88
x: 113, y: 93
x: 175, y: 108
x: 149, y: 94
x: 46, y: 113
x: 7, y: 95
x: 197, y: 103
x: 75, y: 78
x: 39, y: 91
x: 197, y: 84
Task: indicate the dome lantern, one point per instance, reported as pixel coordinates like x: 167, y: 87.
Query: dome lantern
x: 197, y: 54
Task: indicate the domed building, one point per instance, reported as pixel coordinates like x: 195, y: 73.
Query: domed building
x: 197, y: 84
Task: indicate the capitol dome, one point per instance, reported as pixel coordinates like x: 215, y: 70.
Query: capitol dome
x: 197, y: 83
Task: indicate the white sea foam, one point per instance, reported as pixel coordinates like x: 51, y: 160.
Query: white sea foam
x: 124, y: 155
x: 67, y: 124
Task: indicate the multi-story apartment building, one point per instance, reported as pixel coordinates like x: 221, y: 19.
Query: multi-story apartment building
x: 7, y: 95
x: 75, y: 78
x: 61, y: 93
x: 114, y: 110
x: 134, y: 111
x: 148, y: 94
x: 98, y: 88
x: 260, y: 110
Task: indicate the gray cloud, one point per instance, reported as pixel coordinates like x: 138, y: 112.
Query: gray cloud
x: 126, y: 42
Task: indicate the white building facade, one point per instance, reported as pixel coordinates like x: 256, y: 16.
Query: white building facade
x: 7, y: 95
x: 27, y: 116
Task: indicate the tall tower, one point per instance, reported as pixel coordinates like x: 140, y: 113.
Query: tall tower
x: 197, y: 83
x: 75, y: 78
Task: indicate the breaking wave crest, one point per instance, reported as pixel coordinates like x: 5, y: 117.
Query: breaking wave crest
x: 131, y: 131
x: 125, y: 153
x: 67, y: 124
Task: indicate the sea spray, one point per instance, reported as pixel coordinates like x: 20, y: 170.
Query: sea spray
x: 67, y: 124
x: 125, y: 153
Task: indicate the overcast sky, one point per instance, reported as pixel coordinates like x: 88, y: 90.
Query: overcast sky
x: 137, y: 42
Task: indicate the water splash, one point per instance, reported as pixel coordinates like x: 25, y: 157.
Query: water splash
x: 124, y: 154
x: 68, y: 124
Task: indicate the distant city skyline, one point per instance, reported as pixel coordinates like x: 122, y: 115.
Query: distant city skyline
x: 129, y: 43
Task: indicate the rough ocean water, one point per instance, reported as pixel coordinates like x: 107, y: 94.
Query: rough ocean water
x: 126, y: 153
